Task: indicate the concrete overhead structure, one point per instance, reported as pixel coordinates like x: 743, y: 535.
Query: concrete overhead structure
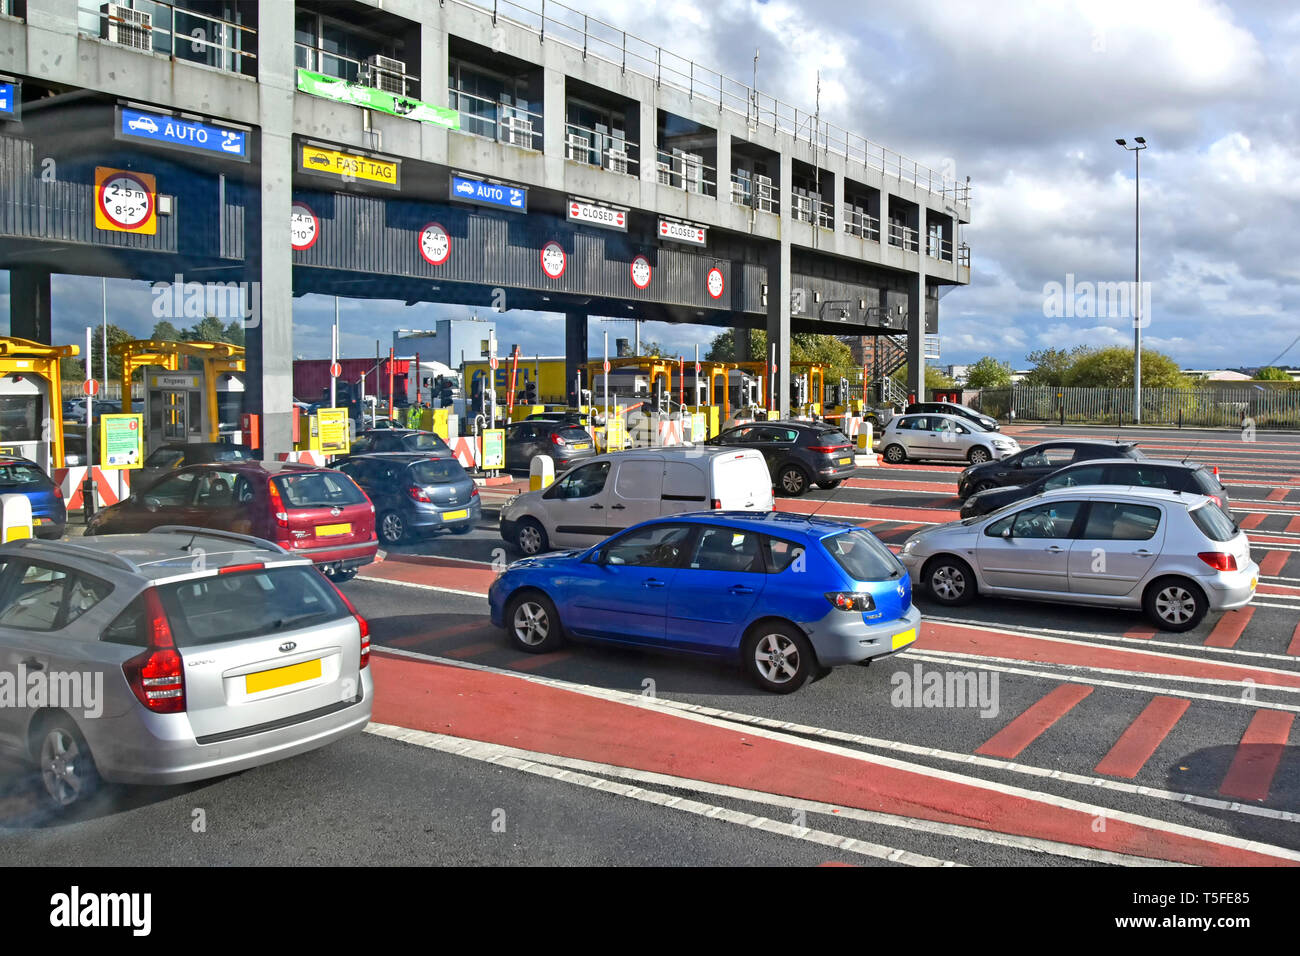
x: 714, y: 204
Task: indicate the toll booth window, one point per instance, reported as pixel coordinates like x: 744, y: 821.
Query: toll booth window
x: 196, y: 412
x: 230, y: 405
x: 21, y: 417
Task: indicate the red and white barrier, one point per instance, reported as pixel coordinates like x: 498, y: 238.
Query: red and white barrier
x: 317, y: 458
x: 465, y: 448
x: 111, y: 485
x: 670, y: 432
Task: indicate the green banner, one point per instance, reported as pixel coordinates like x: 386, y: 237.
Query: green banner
x: 494, y: 449
x: 332, y: 88
x: 121, y: 441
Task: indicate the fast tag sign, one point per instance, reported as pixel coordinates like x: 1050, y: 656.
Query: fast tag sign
x: 682, y: 232
x: 596, y: 215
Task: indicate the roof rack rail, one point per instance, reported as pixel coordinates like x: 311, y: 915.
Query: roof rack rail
x: 126, y: 564
x: 216, y: 533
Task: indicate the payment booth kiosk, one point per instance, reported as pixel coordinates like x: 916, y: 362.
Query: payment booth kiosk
x: 31, y: 401
x: 193, y: 391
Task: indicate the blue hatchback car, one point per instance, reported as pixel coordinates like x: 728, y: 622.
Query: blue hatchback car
x: 784, y: 594
x: 22, y: 476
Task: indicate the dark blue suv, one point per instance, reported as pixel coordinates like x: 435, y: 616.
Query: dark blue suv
x: 414, y: 493
x: 22, y: 476
x: 785, y: 595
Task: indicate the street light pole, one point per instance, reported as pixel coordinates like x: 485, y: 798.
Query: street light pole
x: 1136, y: 150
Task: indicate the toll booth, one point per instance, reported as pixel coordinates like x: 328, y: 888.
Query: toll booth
x: 193, y: 391
x: 31, y: 400
x: 814, y: 377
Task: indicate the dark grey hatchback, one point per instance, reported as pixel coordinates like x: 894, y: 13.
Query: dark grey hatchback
x: 414, y: 493
x: 798, y: 454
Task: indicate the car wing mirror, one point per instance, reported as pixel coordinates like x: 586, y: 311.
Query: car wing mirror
x: 1006, y: 533
x: 152, y: 503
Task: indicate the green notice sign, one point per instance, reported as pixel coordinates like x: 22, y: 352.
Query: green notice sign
x: 494, y: 449
x: 120, y: 438
x: 332, y: 88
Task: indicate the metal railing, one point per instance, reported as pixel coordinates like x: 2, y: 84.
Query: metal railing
x: 763, y: 196
x: 1237, y: 408
x: 812, y: 209
x: 937, y: 247
x: 686, y: 172
x: 606, y: 42
x: 182, y: 34
x: 963, y: 255
x: 863, y: 225
x: 492, y: 119
x: 343, y: 67
x: 613, y: 153
x: 903, y: 236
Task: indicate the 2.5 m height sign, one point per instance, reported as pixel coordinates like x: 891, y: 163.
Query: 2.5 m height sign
x: 125, y: 201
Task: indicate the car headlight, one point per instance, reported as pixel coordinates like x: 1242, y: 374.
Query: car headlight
x: 909, y: 546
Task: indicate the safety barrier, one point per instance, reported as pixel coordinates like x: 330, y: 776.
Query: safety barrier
x: 111, y: 486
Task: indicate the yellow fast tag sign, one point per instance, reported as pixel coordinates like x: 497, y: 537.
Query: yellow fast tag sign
x: 349, y: 165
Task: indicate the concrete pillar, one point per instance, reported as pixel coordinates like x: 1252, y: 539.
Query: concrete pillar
x: 724, y: 166
x: 837, y: 201
x: 884, y: 217
x: 778, y: 319
x: 743, y: 351
x: 268, y: 385
x: 433, y: 77
x: 553, y: 113
x: 30, y: 315
x: 916, y: 317
x: 648, y: 131
x: 575, y: 353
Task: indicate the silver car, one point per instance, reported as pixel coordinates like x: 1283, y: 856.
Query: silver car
x: 942, y: 437
x: 172, y: 656
x: 1173, y: 554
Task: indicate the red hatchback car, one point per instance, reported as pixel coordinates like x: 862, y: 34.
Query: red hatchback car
x: 318, y: 513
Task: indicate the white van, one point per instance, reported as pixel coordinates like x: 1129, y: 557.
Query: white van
x: 608, y: 493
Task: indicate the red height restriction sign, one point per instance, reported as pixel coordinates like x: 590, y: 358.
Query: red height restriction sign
x: 336, y: 370
x: 90, y: 387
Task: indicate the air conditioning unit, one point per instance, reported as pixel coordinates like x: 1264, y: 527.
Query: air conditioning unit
x: 740, y: 193
x: 518, y: 131
x: 692, y: 173
x: 616, y: 161
x: 578, y: 148
x: 126, y: 27
x: 763, y: 191
x: 385, y: 73
x: 665, y: 172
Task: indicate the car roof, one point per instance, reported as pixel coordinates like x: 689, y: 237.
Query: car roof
x: 166, y: 552
x: 401, y: 456
x: 776, y: 523
x: 1143, y: 462
x: 252, y: 465
x: 1084, y: 443
x: 1140, y: 492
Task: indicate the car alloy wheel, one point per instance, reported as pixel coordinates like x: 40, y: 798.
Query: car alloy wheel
x: 984, y: 486
x: 793, y: 481
x: 67, y: 771
x: 895, y: 454
x: 949, y: 580
x: 778, y: 658
x: 531, y: 623
x: 391, y: 527
x: 978, y: 456
x: 1175, y: 604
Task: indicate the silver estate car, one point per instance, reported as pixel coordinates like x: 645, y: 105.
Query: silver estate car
x: 943, y: 437
x: 1173, y: 554
x: 173, y: 656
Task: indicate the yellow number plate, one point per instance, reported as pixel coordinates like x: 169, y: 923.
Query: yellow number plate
x: 330, y: 530
x: 1253, y: 583
x: 902, y: 640
x: 454, y: 515
x: 846, y: 461
x: 581, y: 445
x: 282, y: 676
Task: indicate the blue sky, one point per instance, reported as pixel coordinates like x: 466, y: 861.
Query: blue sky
x: 1027, y: 99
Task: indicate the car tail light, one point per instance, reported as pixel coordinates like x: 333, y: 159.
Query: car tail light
x: 156, y: 676
x: 417, y: 494
x: 238, y: 568
x: 361, y: 623
x: 851, y: 600
x: 557, y: 440
x: 58, y: 492
x: 474, y: 493
x: 716, y: 504
x: 1216, y: 499
x: 1219, y: 560
x: 277, y: 505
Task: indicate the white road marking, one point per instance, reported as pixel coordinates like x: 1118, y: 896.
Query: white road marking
x: 524, y: 761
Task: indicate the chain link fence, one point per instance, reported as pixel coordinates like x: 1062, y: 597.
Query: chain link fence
x: 1231, y: 407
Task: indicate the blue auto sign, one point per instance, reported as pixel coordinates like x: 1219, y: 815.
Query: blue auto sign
x: 164, y: 130
x: 496, y: 195
x: 9, y: 100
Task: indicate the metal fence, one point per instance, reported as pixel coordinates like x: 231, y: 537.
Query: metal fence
x: 1258, y: 405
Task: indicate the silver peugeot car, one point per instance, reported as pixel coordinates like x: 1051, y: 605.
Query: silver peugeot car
x: 1175, y: 555
x: 172, y: 656
x: 942, y: 437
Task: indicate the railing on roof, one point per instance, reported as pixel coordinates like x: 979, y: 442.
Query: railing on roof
x: 606, y: 42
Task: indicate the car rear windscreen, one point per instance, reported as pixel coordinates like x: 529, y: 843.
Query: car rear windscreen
x: 437, y: 472
x: 318, y: 489
x: 1206, y: 483
x: 270, y: 602
x: 1214, y: 524
x: 573, y: 433
x: 426, y: 442
x: 829, y: 437
x: 862, y: 557
x: 21, y: 473
x: 231, y: 454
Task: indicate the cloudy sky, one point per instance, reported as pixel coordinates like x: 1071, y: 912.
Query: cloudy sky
x: 1027, y: 99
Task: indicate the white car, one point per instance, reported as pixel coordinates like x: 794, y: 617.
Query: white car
x: 143, y: 122
x: 942, y: 437
x: 607, y: 493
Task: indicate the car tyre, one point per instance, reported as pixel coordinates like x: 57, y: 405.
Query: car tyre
x: 778, y: 657
x: 895, y: 454
x: 978, y: 455
x: 391, y: 527
x: 340, y: 575
x: 828, y: 485
x: 533, y: 623
x: 984, y: 486
x: 462, y: 528
x: 792, y: 480
x: 1174, y: 604
x: 949, y: 580
x: 530, y: 537
x: 67, y: 768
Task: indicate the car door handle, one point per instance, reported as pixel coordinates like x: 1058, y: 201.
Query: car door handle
x: 740, y: 589
x: 32, y: 664
x: 598, y: 506
x: 1054, y: 549
x: 617, y: 507
x: 652, y: 583
x: 1144, y: 552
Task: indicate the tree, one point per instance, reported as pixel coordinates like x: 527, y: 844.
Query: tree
x: 988, y: 372
x: 1112, y: 367
x: 825, y: 350
x: 1271, y: 373
x: 935, y: 380
x: 206, y: 329
x: 164, y: 331
x: 75, y: 369
x: 1052, y: 366
x: 234, y: 333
